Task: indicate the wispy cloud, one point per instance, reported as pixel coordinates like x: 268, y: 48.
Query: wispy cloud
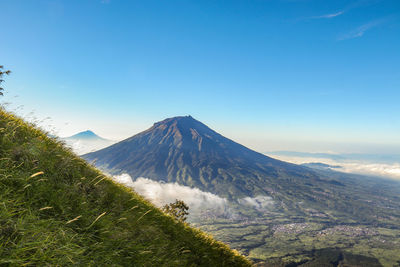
x: 329, y: 16
x: 356, y: 4
x: 361, y: 30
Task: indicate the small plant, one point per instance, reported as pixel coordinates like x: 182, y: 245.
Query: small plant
x: 178, y: 210
x: 2, y: 73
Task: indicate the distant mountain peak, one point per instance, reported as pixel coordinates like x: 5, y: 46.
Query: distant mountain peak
x: 87, y: 135
x: 87, y: 141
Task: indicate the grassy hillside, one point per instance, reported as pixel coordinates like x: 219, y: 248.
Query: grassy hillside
x: 58, y: 210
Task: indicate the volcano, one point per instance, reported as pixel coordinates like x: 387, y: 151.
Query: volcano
x: 186, y: 151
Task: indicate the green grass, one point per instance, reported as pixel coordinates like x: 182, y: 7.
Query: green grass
x: 71, y: 213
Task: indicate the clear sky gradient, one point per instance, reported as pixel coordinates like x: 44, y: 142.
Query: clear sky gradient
x: 309, y: 75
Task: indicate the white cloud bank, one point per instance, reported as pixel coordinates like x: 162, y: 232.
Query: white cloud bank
x: 386, y: 170
x: 82, y: 147
x: 159, y: 194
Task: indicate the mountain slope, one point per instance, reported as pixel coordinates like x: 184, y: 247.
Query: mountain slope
x: 184, y: 150
x: 57, y: 210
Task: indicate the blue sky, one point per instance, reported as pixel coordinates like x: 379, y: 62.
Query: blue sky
x: 309, y: 75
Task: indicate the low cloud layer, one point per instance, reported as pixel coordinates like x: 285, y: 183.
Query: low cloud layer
x: 82, y: 147
x: 261, y: 203
x: 386, y: 170
x: 163, y: 193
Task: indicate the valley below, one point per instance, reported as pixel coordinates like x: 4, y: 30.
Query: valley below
x: 368, y: 227
x: 278, y: 238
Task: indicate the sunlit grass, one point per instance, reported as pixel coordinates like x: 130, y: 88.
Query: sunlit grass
x: 55, y: 209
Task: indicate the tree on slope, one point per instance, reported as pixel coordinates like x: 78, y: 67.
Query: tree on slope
x: 2, y: 73
x: 178, y: 210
